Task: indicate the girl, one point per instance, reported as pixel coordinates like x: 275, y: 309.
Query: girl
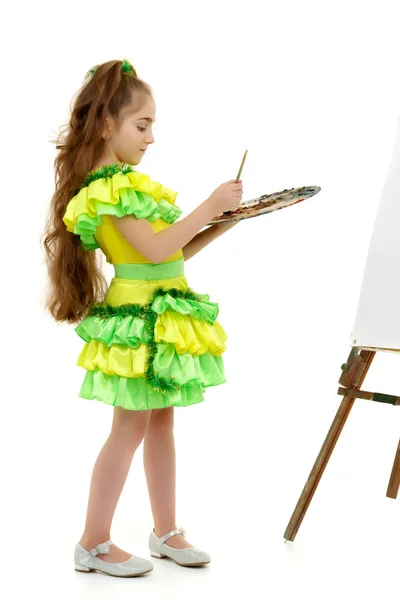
x: 151, y: 342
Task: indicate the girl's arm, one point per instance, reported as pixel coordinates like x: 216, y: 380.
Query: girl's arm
x: 157, y: 247
x: 202, y: 239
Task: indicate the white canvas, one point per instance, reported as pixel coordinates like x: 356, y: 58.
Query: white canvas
x: 377, y: 323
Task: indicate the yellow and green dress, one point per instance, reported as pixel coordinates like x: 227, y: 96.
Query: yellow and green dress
x: 152, y: 342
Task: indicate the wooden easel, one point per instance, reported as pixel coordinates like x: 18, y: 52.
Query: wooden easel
x: 352, y: 378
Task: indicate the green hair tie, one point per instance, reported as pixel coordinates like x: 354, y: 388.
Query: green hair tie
x: 92, y: 71
x: 126, y: 67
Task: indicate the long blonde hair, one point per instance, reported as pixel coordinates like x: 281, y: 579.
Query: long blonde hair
x: 75, y: 278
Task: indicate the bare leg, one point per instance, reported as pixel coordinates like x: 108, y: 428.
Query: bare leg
x: 108, y: 479
x: 160, y: 469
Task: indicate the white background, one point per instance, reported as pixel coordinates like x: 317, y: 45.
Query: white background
x: 312, y: 90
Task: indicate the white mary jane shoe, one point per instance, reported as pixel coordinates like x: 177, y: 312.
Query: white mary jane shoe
x: 187, y: 557
x: 86, y: 561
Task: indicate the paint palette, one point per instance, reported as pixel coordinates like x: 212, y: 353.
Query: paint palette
x: 266, y: 204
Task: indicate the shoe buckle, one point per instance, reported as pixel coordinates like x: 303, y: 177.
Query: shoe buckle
x: 103, y: 548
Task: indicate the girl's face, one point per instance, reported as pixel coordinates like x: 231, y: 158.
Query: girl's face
x: 129, y: 142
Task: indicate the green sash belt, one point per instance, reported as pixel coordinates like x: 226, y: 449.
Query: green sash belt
x: 166, y: 270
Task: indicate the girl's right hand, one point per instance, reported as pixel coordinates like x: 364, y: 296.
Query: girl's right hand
x: 226, y: 197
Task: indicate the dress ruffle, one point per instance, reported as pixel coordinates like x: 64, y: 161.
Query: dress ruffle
x: 125, y: 331
x: 188, y: 324
x: 202, y: 370
x: 134, y: 394
x: 122, y: 194
x: 200, y: 309
x: 188, y: 334
x: 132, y: 349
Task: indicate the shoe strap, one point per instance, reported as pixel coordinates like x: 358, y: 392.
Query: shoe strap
x: 170, y: 534
x: 103, y: 548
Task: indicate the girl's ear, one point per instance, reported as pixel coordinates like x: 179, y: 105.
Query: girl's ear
x: 106, y: 130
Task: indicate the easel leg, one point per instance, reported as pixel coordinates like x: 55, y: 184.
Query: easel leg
x: 360, y: 369
x: 394, y: 482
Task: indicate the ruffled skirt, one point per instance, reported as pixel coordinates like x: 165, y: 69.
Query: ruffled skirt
x: 151, y: 344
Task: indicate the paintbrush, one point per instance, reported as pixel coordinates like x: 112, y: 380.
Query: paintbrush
x: 241, y: 166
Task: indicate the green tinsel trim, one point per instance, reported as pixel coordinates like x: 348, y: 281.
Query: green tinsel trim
x: 105, y: 311
x: 189, y: 294
x: 105, y: 171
